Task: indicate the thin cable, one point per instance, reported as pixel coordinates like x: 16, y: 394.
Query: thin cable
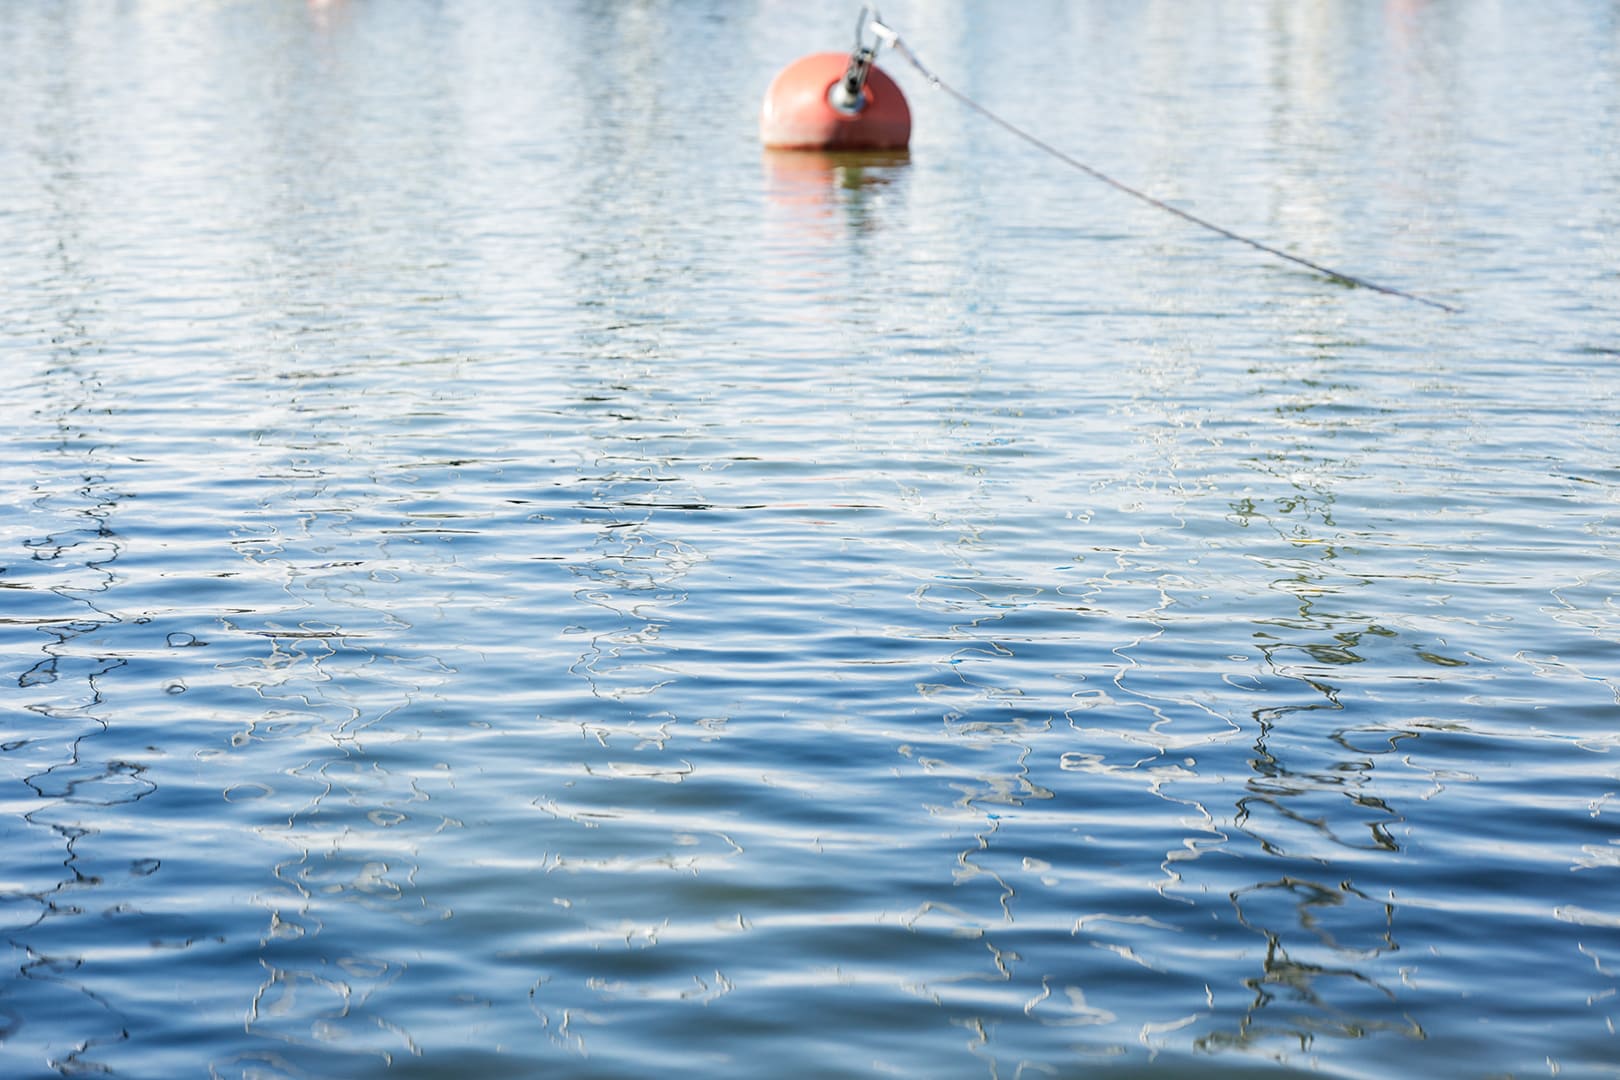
x: 899, y: 46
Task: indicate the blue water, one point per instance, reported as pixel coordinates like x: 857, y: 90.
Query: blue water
x: 499, y: 577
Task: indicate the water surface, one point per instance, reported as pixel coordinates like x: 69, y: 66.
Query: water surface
x: 500, y: 577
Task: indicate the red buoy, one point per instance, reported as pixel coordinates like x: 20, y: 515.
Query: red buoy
x: 808, y: 107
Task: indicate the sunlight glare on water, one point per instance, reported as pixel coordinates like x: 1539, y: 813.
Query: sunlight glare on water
x: 499, y: 576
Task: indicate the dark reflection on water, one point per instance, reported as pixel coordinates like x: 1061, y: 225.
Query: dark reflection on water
x: 1310, y: 985
x: 501, y: 578
x: 77, y: 774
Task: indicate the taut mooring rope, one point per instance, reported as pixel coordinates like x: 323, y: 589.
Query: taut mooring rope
x: 888, y: 35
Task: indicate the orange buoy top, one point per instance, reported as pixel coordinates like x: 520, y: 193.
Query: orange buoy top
x: 799, y: 113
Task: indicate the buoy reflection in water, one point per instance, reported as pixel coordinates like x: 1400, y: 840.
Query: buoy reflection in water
x: 812, y: 185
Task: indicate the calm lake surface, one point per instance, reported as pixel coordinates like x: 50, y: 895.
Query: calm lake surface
x: 499, y: 577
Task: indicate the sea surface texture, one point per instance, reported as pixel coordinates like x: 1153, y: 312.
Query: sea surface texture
x: 502, y: 577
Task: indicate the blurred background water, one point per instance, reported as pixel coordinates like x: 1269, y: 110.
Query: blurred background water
x: 500, y: 577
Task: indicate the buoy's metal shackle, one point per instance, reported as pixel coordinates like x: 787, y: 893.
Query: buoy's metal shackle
x: 847, y: 94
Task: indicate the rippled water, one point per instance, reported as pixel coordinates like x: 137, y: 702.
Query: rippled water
x: 499, y: 577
